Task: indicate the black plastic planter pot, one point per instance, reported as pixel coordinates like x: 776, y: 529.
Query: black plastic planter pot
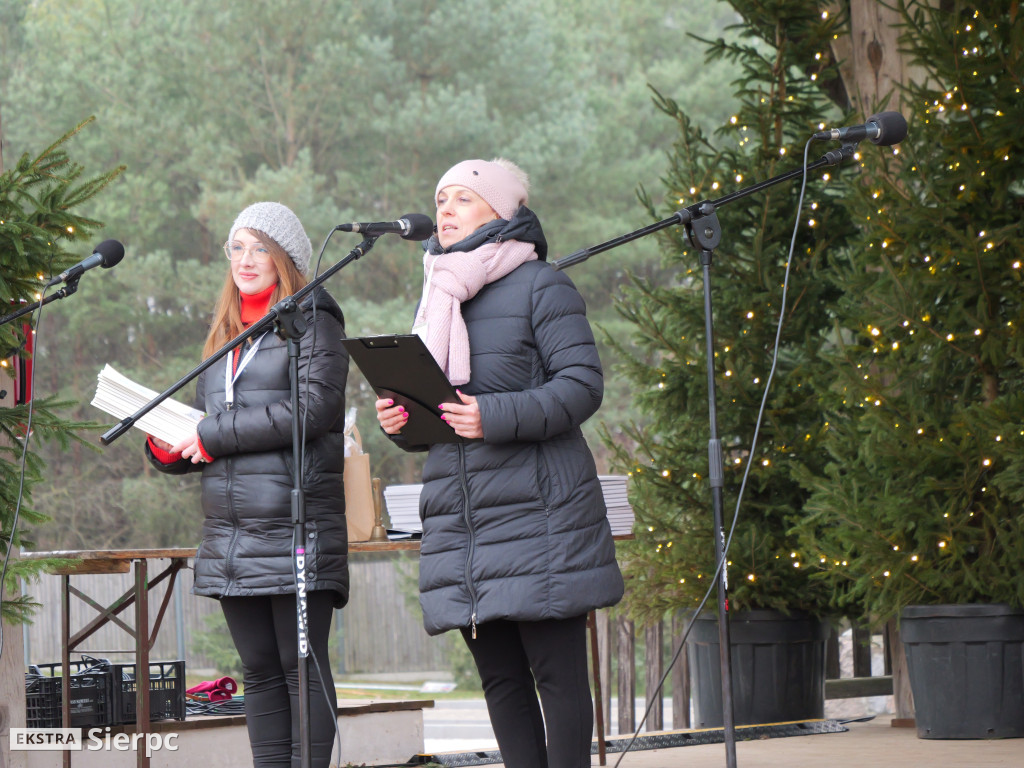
x: 778, y: 668
x: 966, y: 669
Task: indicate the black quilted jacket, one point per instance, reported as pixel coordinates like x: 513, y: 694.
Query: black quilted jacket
x: 246, y: 491
x: 514, y: 524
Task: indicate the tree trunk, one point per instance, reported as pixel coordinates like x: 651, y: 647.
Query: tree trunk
x: 871, y: 64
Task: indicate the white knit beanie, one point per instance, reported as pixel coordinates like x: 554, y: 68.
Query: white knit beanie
x: 280, y: 223
x: 503, y: 185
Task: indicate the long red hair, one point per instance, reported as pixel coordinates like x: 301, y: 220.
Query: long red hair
x: 227, y: 314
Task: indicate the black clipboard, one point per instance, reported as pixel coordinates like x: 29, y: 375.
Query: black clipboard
x: 402, y: 368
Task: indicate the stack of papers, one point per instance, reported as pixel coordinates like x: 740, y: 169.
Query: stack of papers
x: 620, y: 514
x: 403, y: 505
x: 121, y: 397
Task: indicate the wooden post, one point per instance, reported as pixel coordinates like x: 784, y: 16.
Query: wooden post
x: 627, y: 676
x: 903, y: 697
x: 832, y: 671
x: 143, y: 643
x: 887, y: 649
x: 65, y: 661
x: 861, y: 645
x: 12, y: 688
x: 654, y: 668
x: 605, y: 649
x: 595, y: 664
x: 680, y: 676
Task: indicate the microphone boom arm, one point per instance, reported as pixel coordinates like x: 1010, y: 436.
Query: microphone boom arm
x: 689, y: 214
x: 69, y: 288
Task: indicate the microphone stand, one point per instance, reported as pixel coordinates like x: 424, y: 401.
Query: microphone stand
x: 705, y: 233
x: 70, y: 286
x: 289, y: 324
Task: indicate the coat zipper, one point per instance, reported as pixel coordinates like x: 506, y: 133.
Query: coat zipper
x: 230, y: 557
x: 472, y: 536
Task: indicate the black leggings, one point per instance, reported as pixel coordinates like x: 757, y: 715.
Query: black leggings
x: 519, y: 659
x: 264, y: 632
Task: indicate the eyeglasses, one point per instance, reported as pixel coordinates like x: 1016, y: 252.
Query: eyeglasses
x: 235, y: 250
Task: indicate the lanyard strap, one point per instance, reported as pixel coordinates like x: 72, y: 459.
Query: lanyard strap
x: 231, y: 377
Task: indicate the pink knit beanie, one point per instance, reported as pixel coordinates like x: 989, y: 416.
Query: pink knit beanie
x: 500, y: 183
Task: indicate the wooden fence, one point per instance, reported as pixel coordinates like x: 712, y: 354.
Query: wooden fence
x: 380, y: 631
x: 623, y: 650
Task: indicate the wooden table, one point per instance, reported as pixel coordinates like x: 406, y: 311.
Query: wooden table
x: 142, y: 632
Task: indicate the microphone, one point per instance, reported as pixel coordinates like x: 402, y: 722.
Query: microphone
x: 106, y: 254
x: 885, y: 129
x: 412, y: 226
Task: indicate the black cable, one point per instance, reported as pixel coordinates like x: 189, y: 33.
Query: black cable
x: 750, y: 461
x: 316, y: 271
x: 861, y: 719
x: 233, y: 706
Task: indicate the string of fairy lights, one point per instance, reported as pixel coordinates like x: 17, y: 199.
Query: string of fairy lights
x: 949, y: 101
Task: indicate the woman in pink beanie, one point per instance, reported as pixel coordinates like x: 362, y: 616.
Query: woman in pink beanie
x: 516, y: 545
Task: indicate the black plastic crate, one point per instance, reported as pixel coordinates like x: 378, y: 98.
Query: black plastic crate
x: 166, y: 691
x: 91, y: 694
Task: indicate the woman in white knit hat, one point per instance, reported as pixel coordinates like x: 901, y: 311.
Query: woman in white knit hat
x: 244, y: 449
x: 516, y: 545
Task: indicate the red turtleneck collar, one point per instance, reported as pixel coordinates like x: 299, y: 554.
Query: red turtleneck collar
x: 255, y: 306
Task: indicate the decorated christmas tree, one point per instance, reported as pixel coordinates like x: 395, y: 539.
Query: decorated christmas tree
x: 786, y: 91
x: 38, y: 230
x: 922, y: 499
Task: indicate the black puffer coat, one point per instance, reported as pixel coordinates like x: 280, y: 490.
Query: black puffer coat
x: 246, y: 490
x: 514, y: 525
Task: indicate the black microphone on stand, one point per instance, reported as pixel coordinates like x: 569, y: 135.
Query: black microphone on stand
x: 412, y: 226
x: 106, y: 254
x: 884, y: 129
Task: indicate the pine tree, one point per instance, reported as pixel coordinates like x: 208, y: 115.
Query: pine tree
x: 922, y: 499
x: 37, y: 226
x: 784, y: 56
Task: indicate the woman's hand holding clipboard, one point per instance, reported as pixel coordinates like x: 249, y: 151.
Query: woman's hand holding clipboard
x: 401, y: 368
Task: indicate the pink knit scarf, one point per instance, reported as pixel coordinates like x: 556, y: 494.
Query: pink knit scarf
x: 457, y: 277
